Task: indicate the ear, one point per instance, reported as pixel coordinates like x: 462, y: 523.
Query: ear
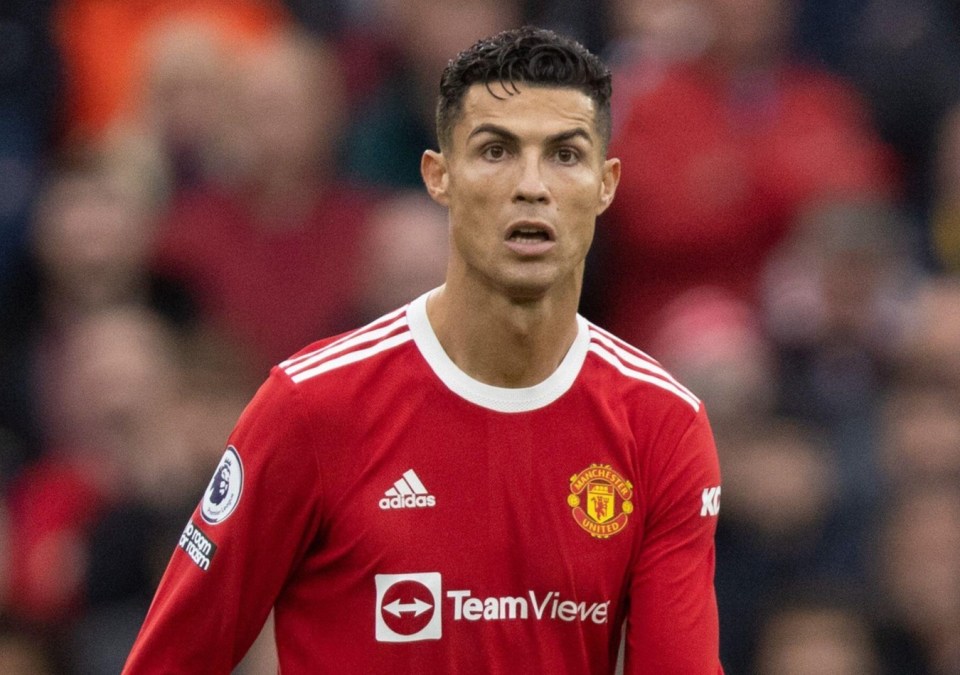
x: 608, y: 183
x: 433, y: 168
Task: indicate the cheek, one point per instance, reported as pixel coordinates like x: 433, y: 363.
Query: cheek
x: 476, y: 201
x: 468, y: 232
x: 582, y: 201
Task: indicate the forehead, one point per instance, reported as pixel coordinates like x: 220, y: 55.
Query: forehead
x: 526, y: 110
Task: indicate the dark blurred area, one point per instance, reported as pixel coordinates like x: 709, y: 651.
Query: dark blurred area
x: 191, y: 190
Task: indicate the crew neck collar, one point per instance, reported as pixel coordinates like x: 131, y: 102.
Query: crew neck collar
x: 500, y: 399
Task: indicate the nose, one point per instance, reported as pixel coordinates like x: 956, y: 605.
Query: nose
x: 530, y: 184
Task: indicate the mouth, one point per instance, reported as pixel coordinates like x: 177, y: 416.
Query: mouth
x: 530, y: 232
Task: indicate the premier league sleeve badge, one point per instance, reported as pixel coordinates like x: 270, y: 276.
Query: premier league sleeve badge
x: 223, y: 492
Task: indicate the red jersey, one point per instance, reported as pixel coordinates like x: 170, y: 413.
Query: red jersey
x: 402, y: 517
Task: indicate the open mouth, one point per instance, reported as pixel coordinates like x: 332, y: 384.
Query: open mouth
x: 530, y: 233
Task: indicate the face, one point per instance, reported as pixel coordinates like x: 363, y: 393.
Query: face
x: 524, y: 179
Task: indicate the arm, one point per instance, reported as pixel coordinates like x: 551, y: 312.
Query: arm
x: 672, y: 625
x: 239, y: 545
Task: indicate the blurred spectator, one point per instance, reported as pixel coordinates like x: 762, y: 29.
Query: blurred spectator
x: 904, y: 56
x: 819, y: 633
x: 113, y: 393
x: 273, y: 255
x: 782, y: 525
x: 919, y: 579
x: 187, y: 85
x: 407, y: 246
x: 714, y: 343
x: 29, y: 81
x: 719, y: 156
x: 651, y: 35
x: 920, y: 433
x: 930, y: 347
x: 837, y: 298
x: 101, y: 44
x: 29, y: 86
x: 169, y: 445
x: 846, y: 271
x: 93, y: 230
x: 396, y: 124
x: 24, y: 653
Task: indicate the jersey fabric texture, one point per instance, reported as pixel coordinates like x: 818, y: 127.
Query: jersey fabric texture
x: 402, y: 517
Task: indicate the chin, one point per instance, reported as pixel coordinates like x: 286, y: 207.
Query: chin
x: 529, y: 287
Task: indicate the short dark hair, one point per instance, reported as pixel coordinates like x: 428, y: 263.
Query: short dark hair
x: 523, y: 55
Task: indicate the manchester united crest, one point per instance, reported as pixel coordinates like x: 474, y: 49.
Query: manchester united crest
x: 600, y: 499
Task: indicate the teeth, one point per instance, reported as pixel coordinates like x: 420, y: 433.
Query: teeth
x: 530, y: 232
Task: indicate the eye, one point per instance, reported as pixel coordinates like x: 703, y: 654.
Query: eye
x: 494, y: 152
x: 567, y: 155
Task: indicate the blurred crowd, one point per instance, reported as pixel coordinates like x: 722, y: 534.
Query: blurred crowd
x: 191, y: 190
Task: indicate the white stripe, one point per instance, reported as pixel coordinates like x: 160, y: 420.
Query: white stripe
x: 347, y: 343
x: 352, y: 334
x: 656, y: 381
x: 638, y: 362
x: 634, y: 356
x: 403, y: 488
x: 353, y: 357
x: 414, y: 481
x: 622, y: 343
x: 392, y: 492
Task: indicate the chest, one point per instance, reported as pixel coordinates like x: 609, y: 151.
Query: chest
x: 542, y: 507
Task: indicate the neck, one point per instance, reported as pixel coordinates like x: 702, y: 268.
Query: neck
x: 502, y: 341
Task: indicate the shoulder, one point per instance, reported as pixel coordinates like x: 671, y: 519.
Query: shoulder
x: 632, y: 370
x: 348, y: 352
x: 322, y: 385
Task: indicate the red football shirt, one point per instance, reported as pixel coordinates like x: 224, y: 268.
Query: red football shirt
x: 402, y: 517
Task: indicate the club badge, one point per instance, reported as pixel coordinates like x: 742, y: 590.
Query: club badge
x: 600, y: 500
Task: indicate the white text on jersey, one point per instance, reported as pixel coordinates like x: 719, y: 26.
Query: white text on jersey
x: 465, y: 606
x: 711, y: 501
x: 408, y: 492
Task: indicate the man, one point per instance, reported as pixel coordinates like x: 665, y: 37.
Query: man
x: 481, y: 481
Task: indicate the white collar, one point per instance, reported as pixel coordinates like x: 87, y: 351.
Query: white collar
x: 500, y: 399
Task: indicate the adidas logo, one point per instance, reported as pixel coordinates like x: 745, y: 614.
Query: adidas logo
x: 407, y: 493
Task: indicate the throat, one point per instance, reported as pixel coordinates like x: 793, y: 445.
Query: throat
x: 512, y: 346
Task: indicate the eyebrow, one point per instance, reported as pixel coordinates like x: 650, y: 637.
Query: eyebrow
x: 506, y: 134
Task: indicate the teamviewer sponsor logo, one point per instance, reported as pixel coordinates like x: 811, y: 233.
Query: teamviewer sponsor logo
x: 408, y: 607
x: 407, y: 493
